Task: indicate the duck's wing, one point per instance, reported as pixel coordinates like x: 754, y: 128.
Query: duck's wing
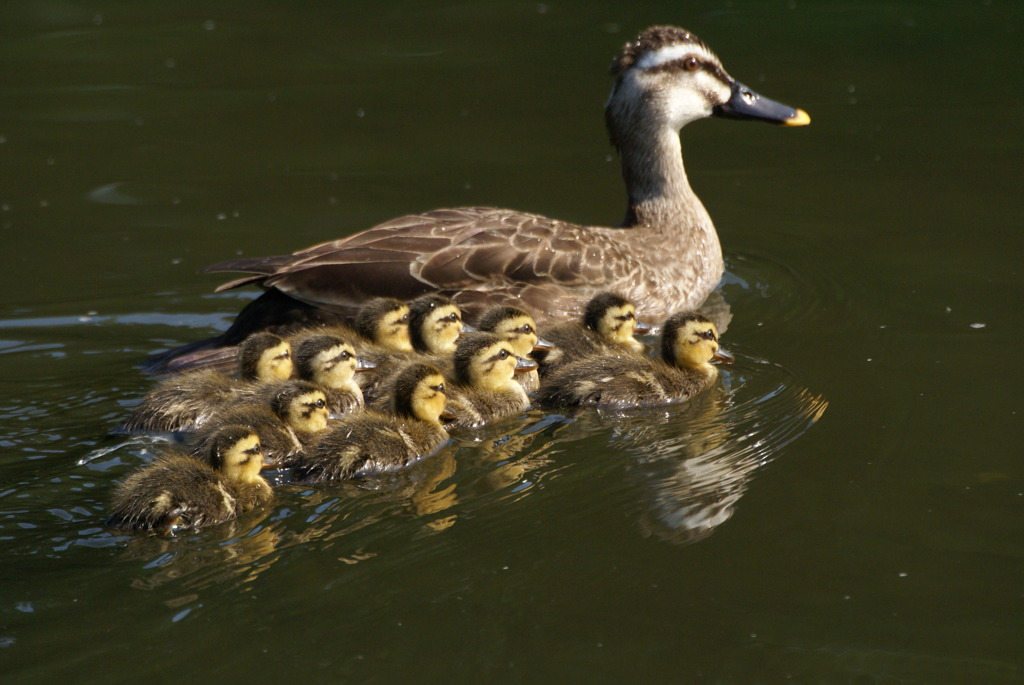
x: 474, y: 249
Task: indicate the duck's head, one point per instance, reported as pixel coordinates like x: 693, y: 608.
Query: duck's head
x: 420, y: 393
x: 516, y: 326
x: 613, y: 318
x: 488, y: 362
x: 435, y: 323
x: 265, y: 357
x: 385, y: 321
x: 301, y: 405
x: 328, y: 360
x: 235, y: 451
x: 668, y: 77
x: 690, y: 340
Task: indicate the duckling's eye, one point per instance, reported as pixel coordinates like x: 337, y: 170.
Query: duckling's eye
x: 284, y: 355
x: 707, y: 335
x: 404, y: 319
x: 452, y: 318
x: 255, y: 449
x: 439, y: 387
x: 345, y: 356
x: 691, y: 63
x: 319, y: 404
x: 503, y: 354
x: 526, y: 328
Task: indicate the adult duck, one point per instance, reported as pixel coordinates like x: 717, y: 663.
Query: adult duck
x: 664, y: 257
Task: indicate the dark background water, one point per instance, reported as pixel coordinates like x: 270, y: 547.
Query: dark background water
x: 873, y: 268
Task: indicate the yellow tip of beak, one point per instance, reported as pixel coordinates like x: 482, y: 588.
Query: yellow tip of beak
x: 801, y: 118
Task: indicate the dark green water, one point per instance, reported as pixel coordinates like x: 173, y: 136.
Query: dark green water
x: 873, y: 277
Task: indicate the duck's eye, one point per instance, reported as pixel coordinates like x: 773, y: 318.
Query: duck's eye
x: 345, y: 356
x: 439, y: 387
x: 452, y: 318
x: 526, y: 328
x: 319, y: 404
x: 691, y: 63
x: 255, y: 449
x: 404, y: 319
x: 503, y: 354
x: 285, y: 355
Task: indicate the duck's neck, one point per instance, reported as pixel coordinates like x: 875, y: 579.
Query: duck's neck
x: 660, y: 196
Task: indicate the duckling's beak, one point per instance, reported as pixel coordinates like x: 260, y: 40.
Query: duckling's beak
x: 524, y: 365
x: 364, y: 365
x: 747, y: 104
x: 642, y: 328
x: 543, y: 345
x: 448, y: 415
x: 723, y: 356
x: 466, y: 328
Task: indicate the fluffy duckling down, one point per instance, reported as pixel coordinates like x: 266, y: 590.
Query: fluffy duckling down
x: 177, y: 490
x: 370, y: 442
x: 689, y: 342
x: 330, y: 362
x: 608, y: 327
x: 189, y: 400
x: 519, y: 328
x: 484, y: 384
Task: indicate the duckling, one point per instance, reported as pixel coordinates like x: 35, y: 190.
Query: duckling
x: 607, y: 328
x: 286, y: 416
x: 178, y: 490
x: 188, y: 400
x: 665, y: 256
x: 484, y: 387
x: 520, y: 329
x: 689, y: 341
x: 331, y: 362
x: 369, y: 442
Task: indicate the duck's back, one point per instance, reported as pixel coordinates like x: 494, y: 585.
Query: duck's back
x: 627, y: 381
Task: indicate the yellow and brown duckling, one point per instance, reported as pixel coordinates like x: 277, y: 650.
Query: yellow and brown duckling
x: 689, y: 342
x: 177, y: 490
x: 331, y: 362
x: 484, y: 386
x: 607, y: 328
x: 189, y: 400
x: 286, y: 416
x: 519, y: 328
x: 369, y: 442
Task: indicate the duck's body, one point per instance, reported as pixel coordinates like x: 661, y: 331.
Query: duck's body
x: 371, y: 442
x: 286, y: 417
x: 689, y: 343
x: 606, y: 329
x: 187, y: 401
x: 664, y: 257
x: 178, y: 490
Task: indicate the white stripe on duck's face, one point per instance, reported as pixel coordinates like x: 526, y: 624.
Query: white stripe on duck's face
x: 688, y: 78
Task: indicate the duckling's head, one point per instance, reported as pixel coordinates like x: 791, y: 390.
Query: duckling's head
x: 265, y: 357
x: 385, y: 321
x: 613, y: 318
x: 690, y: 340
x: 435, y: 323
x: 488, y: 362
x: 235, y: 451
x: 668, y: 77
x: 420, y: 393
x: 516, y: 326
x: 301, y: 405
x: 327, y: 360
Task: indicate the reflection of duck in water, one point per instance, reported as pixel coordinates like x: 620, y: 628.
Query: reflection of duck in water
x: 188, y: 400
x: 688, y: 344
x: 370, y: 442
x: 665, y: 257
x: 178, y: 490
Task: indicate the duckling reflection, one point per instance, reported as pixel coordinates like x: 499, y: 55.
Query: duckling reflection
x: 189, y: 400
x: 179, y: 491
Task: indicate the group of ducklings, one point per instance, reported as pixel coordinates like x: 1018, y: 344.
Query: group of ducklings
x: 335, y: 403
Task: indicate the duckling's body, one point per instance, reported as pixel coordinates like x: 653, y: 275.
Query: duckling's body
x: 178, y: 490
x: 665, y: 256
x: 286, y: 417
x: 484, y: 386
x: 606, y: 329
x: 371, y: 442
x: 689, y: 342
x: 519, y: 328
x: 189, y: 400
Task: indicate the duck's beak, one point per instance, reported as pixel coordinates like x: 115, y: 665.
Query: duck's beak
x: 524, y: 365
x: 747, y: 104
x: 642, y: 328
x: 543, y: 345
x: 364, y: 365
x: 723, y: 356
x: 448, y: 415
x: 466, y: 328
